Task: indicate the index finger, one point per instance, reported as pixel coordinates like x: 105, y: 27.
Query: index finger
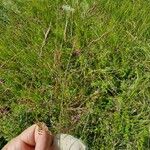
x: 28, y: 136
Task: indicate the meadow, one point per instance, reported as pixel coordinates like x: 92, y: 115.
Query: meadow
x: 82, y: 67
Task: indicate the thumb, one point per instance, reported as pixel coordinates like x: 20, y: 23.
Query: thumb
x: 43, y: 138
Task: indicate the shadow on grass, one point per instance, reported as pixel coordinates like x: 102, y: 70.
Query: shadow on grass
x: 2, y: 142
x: 146, y: 144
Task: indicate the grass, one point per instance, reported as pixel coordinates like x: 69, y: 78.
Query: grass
x: 84, y: 72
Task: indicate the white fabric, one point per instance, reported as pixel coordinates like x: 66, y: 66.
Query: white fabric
x: 68, y: 142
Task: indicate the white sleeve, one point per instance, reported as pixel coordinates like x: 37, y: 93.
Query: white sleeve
x: 68, y: 142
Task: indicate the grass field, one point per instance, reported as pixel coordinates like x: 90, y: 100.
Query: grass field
x: 82, y: 67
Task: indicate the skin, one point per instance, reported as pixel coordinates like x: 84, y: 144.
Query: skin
x: 33, y: 138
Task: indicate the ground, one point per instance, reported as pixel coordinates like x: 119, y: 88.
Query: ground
x: 82, y: 67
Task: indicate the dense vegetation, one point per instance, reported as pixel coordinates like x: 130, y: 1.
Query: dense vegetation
x: 82, y: 67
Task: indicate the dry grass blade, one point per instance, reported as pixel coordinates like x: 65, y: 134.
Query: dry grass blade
x: 96, y: 40
x: 45, y: 39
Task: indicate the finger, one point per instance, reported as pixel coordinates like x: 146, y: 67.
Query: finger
x: 43, y: 139
x: 10, y: 143
x: 28, y: 136
x: 17, y: 144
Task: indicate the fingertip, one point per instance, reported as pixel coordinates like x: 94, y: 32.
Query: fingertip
x: 43, y: 139
x: 27, y: 136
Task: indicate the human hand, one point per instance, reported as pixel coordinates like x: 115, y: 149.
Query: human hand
x: 33, y: 138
